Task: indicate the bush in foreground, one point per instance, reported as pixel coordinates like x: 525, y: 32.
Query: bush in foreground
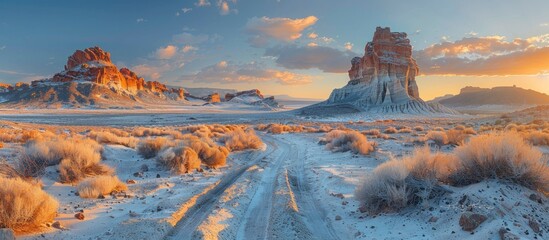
x: 77, y: 158
x: 110, y: 138
x: 342, y: 141
x: 24, y: 207
x: 99, y: 186
x: 179, y: 159
x: 396, y: 184
x: 504, y: 156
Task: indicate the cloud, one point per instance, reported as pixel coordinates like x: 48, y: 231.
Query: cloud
x: 188, y: 48
x: 348, y: 46
x: 264, y: 29
x: 544, y: 24
x: 312, y: 44
x: 203, y: 3
x: 327, y: 59
x: 2, y: 47
x: 166, y: 52
x: 186, y: 10
x: 492, y: 55
x: 224, y: 72
x: 223, y: 7
x: 312, y: 35
x: 150, y: 72
x: 140, y: 20
x: 188, y: 38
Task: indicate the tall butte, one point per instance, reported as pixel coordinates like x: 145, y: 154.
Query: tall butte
x: 383, y: 80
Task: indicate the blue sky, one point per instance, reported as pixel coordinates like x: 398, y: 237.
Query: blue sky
x: 236, y: 44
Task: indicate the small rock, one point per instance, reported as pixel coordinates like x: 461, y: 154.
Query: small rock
x: 101, y: 196
x: 339, y: 195
x: 433, y: 219
x: 506, y: 235
x: 79, y: 216
x: 7, y: 234
x: 144, y: 168
x: 337, y: 218
x: 363, y: 209
x: 536, y: 198
x: 158, y: 175
x: 344, y: 203
x: 469, y: 221
x: 133, y: 214
x: 131, y: 181
x: 138, y: 174
x: 57, y: 225
x: 534, y: 225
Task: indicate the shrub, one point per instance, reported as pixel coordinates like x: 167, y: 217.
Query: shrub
x: 503, y: 156
x: 405, y: 130
x: 456, y: 137
x: 537, y: 138
x: 24, y: 207
x: 98, y: 186
x: 110, y: 138
x: 77, y: 158
x: 419, y: 128
x: 179, y: 159
x: 342, y: 141
x: 390, y: 130
x: 459, y: 127
x: 149, y: 148
x: 241, y: 140
x: 397, y: 184
x: 372, y: 132
x: 440, y: 129
x: 439, y: 137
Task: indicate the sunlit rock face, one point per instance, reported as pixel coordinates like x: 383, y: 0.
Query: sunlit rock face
x: 94, y: 65
x: 384, y: 78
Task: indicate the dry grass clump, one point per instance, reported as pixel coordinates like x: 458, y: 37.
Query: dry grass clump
x: 111, y: 138
x: 24, y: 207
x: 459, y: 127
x: 456, y: 137
x: 397, y: 184
x: 372, y: 132
x: 439, y: 137
x: 149, y: 147
x: 419, y: 129
x: 503, y: 156
x: 276, y: 128
x: 440, y: 129
x: 239, y: 139
x: 212, y: 155
x: 77, y: 158
x: 179, y: 159
x: 350, y: 140
x: 96, y: 187
x: 1, y: 144
x: 390, y: 130
x: 405, y: 130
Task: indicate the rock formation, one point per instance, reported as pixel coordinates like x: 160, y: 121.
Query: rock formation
x: 94, y: 65
x: 248, y: 93
x: 383, y: 80
x: 213, y: 98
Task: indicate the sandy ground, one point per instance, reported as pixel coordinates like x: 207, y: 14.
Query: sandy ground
x: 294, y: 188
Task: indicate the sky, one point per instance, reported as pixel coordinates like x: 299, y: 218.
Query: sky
x: 300, y: 48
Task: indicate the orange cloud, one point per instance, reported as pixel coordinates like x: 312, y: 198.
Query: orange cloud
x: 283, y: 29
x: 485, y: 56
x: 166, y: 52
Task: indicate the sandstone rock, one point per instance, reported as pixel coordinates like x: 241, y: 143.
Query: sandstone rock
x: 213, y: 98
x: 248, y: 93
x: 469, y: 221
x: 383, y: 80
x: 337, y: 218
x: 131, y: 181
x: 57, y: 225
x: 79, y: 216
x: 7, y: 234
x: 87, y: 55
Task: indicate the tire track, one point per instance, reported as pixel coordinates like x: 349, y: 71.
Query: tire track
x: 191, y: 219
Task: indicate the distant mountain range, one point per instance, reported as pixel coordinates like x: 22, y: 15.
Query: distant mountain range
x: 475, y: 96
